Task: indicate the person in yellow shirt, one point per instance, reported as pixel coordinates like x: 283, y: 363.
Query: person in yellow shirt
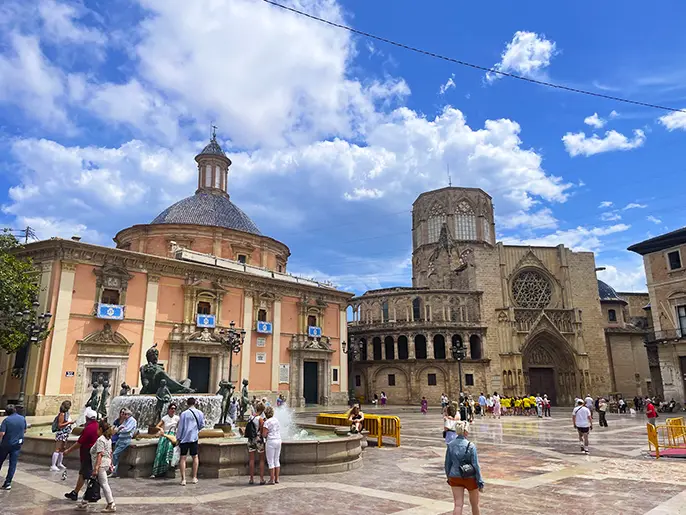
x: 518, y: 406
x: 526, y: 403
x: 506, y: 405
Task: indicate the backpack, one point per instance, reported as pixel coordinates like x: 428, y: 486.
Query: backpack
x: 250, y: 429
x: 56, y: 424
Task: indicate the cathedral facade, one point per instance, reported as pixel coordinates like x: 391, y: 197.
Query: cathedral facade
x: 529, y: 317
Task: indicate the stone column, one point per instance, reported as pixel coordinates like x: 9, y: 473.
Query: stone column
x: 276, y: 345
x: 59, y: 329
x: 246, y: 352
x: 395, y: 348
x: 383, y: 349
x: 429, y: 346
x: 343, y: 358
x: 149, y: 319
x: 410, y: 347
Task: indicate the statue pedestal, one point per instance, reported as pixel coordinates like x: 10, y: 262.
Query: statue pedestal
x: 227, y: 428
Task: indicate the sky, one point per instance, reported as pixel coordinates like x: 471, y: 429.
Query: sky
x: 104, y: 103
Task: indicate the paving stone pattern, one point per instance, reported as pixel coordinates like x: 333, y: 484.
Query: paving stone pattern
x: 530, y: 466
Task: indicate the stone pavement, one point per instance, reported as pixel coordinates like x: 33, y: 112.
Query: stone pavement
x: 529, y: 465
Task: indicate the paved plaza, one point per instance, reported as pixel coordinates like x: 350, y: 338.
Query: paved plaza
x: 529, y: 466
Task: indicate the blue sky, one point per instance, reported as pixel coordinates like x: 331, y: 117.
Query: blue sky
x: 104, y: 104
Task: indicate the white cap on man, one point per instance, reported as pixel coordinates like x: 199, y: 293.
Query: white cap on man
x: 90, y: 413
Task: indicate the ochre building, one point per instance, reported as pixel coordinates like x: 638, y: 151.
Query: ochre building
x: 176, y: 282
x: 664, y: 259
x: 530, y: 317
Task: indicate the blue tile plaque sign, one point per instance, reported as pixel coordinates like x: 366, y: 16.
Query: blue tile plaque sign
x: 110, y: 311
x: 205, y: 321
x: 314, y: 332
x: 264, y: 327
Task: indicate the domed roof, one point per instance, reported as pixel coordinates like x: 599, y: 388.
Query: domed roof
x: 206, y: 208
x: 213, y: 148
x: 607, y: 293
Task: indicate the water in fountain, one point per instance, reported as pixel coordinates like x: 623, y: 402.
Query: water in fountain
x: 143, y: 407
x: 289, y: 429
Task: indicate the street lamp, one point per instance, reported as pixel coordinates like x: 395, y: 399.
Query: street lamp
x: 232, y: 341
x: 352, y: 350
x: 459, y: 352
x: 36, y: 327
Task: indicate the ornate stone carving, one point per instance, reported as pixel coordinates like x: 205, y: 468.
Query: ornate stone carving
x: 502, y: 317
x: 531, y: 289
x: 540, y: 356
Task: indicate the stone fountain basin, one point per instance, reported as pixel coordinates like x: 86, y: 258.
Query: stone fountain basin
x: 222, y: 457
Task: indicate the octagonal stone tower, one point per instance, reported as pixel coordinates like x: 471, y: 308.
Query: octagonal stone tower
x: 442, y: 222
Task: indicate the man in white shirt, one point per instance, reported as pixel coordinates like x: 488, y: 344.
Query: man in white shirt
x: 583, y: 423
x: 589, y: 403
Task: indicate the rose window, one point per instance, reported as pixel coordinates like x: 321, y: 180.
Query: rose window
x: 532, y: 290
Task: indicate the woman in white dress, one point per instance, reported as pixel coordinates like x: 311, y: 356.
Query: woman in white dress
x: 271, y: 430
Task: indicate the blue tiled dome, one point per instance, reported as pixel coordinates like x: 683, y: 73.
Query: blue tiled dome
x: 607, y: 292
x: 205, y: 208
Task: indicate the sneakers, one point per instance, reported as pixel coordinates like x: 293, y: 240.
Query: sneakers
x: 72, y: 496
x: 194, y: 480
x: 81, y: 507
x: 54, y: 468
x: 110, y: 508
x: 183, y: 482
x: 7, y: 486
x: 582, y: 448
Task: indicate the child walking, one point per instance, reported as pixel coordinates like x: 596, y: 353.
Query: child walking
x: 425, y: 406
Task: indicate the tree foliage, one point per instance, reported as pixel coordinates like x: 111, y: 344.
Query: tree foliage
x: 18, y: 291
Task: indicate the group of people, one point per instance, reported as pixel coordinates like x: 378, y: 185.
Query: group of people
x: 380, y: 401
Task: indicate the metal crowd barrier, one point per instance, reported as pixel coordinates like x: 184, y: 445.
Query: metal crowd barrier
x: 671, y: 435
x: 377, y: 425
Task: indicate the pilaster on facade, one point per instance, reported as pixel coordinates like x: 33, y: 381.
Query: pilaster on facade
x: 58, y: 342
x: 246, y: 351
x: 276, y: 344
x: 149, y: 320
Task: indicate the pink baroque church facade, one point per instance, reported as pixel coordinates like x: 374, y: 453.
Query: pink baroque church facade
x: 176, y: 282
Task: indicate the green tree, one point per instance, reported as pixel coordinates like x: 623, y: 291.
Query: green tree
x: 18, y: 291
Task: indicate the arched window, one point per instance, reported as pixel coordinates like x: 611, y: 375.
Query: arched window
x: 403, y: 349
x: 417, y: 309
x: 475, y: 347
x: 376, y: 347
x: 420, y: 346
x: 363, y: 349
x: 436, y: 220
x: 208, y: 176
x: 611, y: 315
x: 486, y: 229
x: 384, y: 311
x: 465, y: 222
x: 439, y: 346
x: 390, y: 347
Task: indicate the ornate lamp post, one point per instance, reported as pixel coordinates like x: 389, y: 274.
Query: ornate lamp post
x: 36, y: 327
x: 352, y: 350
x: 459, y: 353
x: 232, y: 341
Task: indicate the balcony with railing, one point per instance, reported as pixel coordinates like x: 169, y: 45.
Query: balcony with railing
x: 665, y: 335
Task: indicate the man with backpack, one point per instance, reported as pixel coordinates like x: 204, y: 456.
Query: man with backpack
x: 190, y: 423
x: 253, y: 432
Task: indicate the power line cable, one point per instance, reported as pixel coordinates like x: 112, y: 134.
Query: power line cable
x: 472, y: 65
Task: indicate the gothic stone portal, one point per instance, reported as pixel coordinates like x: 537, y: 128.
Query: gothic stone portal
x: 550, y: 371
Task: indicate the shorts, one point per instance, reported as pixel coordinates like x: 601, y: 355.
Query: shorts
x: 582, y: 429
x: 256, y: 445
x: 189, y: 448
x: 86, y: 468
x: 468, y: 483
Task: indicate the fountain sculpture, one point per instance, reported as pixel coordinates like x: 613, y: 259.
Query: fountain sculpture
x: 158, y: 390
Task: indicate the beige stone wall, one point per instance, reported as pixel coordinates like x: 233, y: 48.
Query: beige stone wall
x: 630, y: 364
x: 584, y: 293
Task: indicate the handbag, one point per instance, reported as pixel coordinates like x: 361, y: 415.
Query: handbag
x: 467, y: 470
x: 92, y: 490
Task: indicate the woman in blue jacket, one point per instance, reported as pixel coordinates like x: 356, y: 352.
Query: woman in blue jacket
x: 463, y: 452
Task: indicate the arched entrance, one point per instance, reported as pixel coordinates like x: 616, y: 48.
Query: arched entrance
x: 550, y: 368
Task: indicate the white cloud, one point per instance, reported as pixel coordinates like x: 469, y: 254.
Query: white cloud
x: 654, y: 219
x: 674, y: 121
x: 29, y: 81
x: 613, y: 114
x: 527, y: 54
x: 578, y: 239
x: 635, y: 205
x: 580, y: 144
x: 595, y: 121
x: 60, y: 24
x: 624, y: 277
x: 610, y: 216
x: 605, y: 203
x: 542, y: 219
x: 448, y: 85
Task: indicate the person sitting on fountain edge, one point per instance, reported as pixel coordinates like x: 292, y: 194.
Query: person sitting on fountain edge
x: 356, y: 418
